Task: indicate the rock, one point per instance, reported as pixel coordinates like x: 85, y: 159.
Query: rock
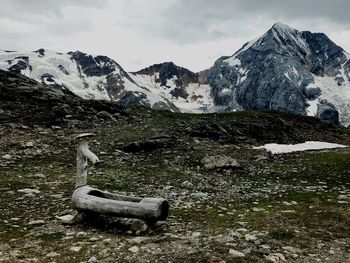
x: 326, y: 111
x: 92, y: 260
x: 42, y: 176
x: 196, y: 234
x: 75, y: 249
x: 150, y: 144
x: 36, y: 222
x: 139, y: 225
x: 288, y: 211
x: 199, y: 195
x: 104, y: 115
x: 29, y: 144
x: 134, y: 249
x: 29, y: 191
x: 66, y: 219
x: 219, y: 161
x: 250, y: 238
x: 214, y: 259
x: 81, y: 234
x: 53, y: 254
x: 186, y: 184
x: 15, y: 253
x: 291, y: 250
x: 236, y: 254
x: 275, y: 257
x: 138, y: 240
x: 342, y: 197
x: 6, y: 157
x: 256, y: 209
x: 312, y: 93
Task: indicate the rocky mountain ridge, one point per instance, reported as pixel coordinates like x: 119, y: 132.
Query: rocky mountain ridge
x: 285, y: 69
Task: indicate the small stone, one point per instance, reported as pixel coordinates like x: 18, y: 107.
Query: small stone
x: 342, y: 202
x: 92, y: 260
x: 275, y: 257
x: 81, y: 234
x: 29, y: 191
x: 288, y: 211
x: 187, y: 184
x: 291, y: 250
x: 196, y: 234
x: 53, y: 254
x: 6, y: 157
x: 199, y: 195
x: 241, y: 229
x: 36, y: 222
x: 236, y: 254
x: 29, y: 144
x: 342, y: 197
x: 256, y: 209
x: 66, y: 218
x: 37, y: 176
x: 139, y: 225
x: 138, y: 240
x: 75, y: 249
x: 134, y: 249
x: 249, y: 237
x: 15, y: 253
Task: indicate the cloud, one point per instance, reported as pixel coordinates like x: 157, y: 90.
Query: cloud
x: 197, y: 20
x: 45, y: 7
x: 137, y: 33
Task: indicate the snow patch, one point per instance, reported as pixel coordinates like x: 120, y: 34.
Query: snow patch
x: 312, y: 109
x: 275, y: 148
x: 338, y: 95
x: 233, y: 62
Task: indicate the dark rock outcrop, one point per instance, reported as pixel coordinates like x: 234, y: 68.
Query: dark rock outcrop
x: 26, y: 101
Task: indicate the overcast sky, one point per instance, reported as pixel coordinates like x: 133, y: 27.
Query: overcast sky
x: 138, y: 33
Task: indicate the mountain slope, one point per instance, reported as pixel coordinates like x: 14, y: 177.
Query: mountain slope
x: 286, y: 70
x: 90, y: 77
x: 179, y: 85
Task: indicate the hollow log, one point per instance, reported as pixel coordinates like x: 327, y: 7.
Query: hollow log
x: 88, y: 199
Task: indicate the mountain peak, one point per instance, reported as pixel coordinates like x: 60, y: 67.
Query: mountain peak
x: 280, y: 26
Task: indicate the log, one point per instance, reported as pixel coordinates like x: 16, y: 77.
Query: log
x: 88, y: 199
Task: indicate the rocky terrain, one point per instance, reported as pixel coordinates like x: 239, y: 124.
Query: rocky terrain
x: 229, y: 202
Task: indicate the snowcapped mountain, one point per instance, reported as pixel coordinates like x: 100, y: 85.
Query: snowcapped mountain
x: 286, y: 70
x: 179, y: 85
x: 90, y: 77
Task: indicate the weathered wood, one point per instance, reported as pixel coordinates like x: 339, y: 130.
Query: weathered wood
x: 90, y: 199
x: 84, y: 153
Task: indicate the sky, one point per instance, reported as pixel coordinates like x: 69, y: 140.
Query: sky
x: 139, y: 33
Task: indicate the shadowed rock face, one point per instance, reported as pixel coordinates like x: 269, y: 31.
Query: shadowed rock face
x: 26, y: 101
x: 90, y: 77
x: 167, y: 71
x: 274, y: 71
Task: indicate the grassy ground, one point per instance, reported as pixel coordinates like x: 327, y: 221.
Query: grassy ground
x: 298, y: 200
